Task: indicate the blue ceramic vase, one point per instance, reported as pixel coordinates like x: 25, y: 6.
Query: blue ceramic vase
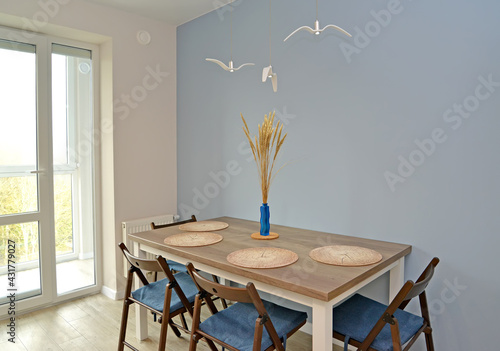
x: 264, y: 220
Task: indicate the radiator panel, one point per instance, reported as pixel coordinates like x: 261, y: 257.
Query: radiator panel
x: 142, y: 225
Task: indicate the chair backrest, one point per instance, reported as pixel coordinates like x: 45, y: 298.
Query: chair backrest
x: 159, y: 265
x: 248, y: 294
x: 404, y: 296
x: 222, y: 291
x: 141, y: 263
x: 158, y: 226
x: 424, y: 279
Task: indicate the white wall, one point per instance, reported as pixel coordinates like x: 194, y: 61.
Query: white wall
x: 142, y: 147
x: 349, y: 118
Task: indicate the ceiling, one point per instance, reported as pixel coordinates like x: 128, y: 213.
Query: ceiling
x: 174, y: 12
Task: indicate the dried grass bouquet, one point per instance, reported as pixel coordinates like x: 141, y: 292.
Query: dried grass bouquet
x: 265, y: 148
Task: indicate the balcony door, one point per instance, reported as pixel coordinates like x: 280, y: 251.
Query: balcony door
x: 47, y: 173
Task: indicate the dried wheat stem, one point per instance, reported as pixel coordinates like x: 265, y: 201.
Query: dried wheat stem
x: 265, y: 148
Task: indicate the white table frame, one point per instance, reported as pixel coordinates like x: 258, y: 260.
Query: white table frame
x: 322, y: 311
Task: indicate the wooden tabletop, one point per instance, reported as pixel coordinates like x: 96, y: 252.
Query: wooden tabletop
x: 306, y: 276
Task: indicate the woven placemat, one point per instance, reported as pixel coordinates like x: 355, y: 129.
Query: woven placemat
x: 343, y: 255
x: 193, y: 239
x: 262, y: 257
x: 203, y: 226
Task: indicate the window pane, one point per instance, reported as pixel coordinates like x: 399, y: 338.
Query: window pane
x: 17, y: 109
x: 63, y: 214
x: 18, y: 149
x: 27, y: 265
x: 18, y: 195
x: 59, y: 110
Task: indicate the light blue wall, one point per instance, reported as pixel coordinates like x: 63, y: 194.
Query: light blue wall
x: 348, y: 124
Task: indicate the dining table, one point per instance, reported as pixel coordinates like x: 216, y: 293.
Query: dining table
x: 308, y: 282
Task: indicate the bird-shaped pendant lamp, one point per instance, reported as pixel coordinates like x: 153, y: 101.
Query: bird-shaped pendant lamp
x: 317, y: 30
x: 267, y: 72
x: 231, y: 67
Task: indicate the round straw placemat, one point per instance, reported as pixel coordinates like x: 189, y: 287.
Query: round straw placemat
x: 343, y: 255
x: 193, y: 239
x: 203, y: 226
x: 262, y: 257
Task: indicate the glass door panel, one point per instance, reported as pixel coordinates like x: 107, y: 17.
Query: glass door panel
x: 72, y: 126
x: 18, y: 194
x: 22, y: 240
x: 63, y: 209
x: 18, y: 128
x: 46, y: 171
x: 19, y: 183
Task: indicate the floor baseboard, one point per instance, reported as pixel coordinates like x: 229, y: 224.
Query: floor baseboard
x: 112, y: 294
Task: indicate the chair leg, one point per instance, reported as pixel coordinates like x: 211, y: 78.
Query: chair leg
x: 428, y: 341
x: 163, y: 333
x: 123, y: 325
x: 257, y: 336
x: 396, y: 338
x: 224, y: 303
x: 192, y: 344
x: 193, y: 339
x: 212, y: 346
x: 183, y: 321
x: 174, y: 328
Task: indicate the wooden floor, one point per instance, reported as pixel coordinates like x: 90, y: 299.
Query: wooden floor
x: 92, y: 323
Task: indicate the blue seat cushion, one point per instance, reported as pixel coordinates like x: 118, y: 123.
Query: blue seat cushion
x: 236, y: 324
x: 176, y: 266
x: 153, y: 294
x: 358, y: 315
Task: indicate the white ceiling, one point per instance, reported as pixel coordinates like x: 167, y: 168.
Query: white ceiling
x: 174, y: 12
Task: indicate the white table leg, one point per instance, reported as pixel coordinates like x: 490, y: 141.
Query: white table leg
x: 141, y: 321
x: 396, y: 278
x: 322, y: 326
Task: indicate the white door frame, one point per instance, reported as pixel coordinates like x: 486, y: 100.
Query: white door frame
x: 45, y: 214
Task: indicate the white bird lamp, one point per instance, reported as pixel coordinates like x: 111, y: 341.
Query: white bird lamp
x: 267, y: 72
x: 231, y: 67
x: 317, y: 30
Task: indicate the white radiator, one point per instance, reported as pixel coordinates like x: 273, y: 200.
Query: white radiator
x: 142, y: 225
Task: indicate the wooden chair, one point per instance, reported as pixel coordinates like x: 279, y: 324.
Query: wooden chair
x: 166, y: 298
x: 249, y: 324
x: 176, y: 266
x: 158, y: 226
x: 369, y: 325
